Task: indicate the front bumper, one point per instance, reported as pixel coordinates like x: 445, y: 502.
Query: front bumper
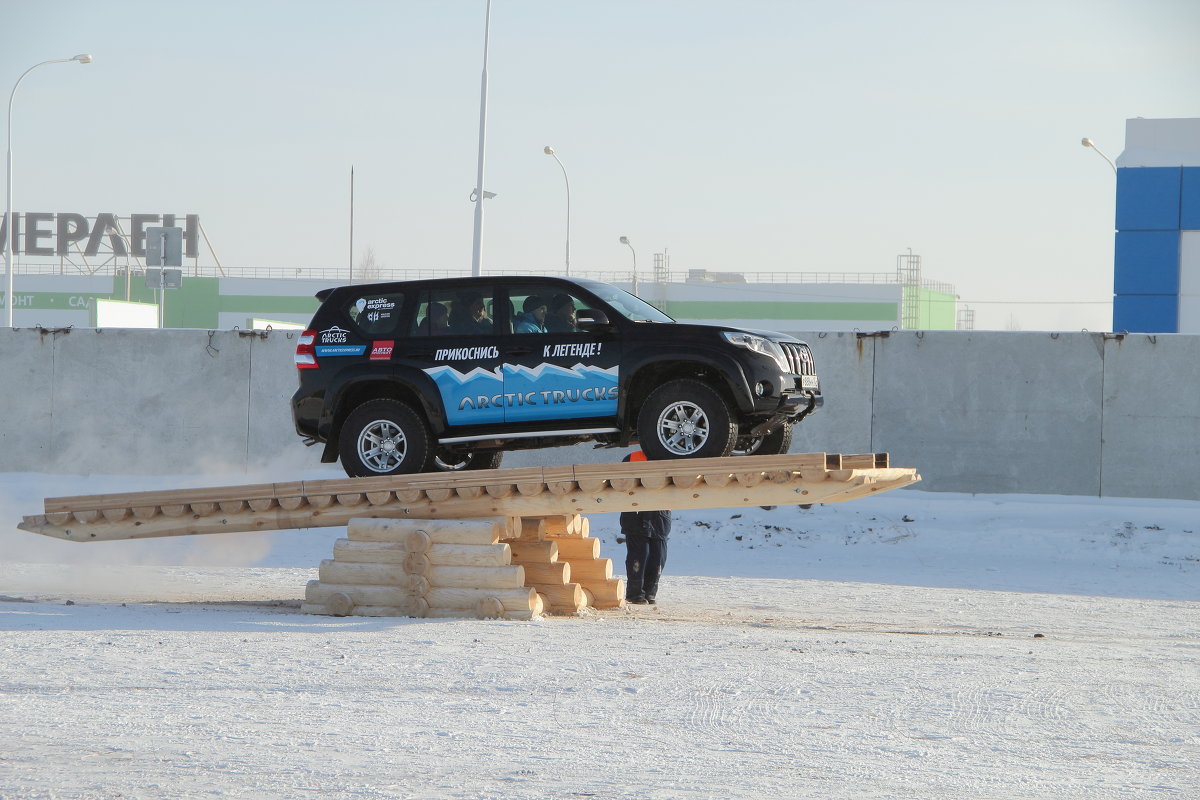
x: 792, y: 407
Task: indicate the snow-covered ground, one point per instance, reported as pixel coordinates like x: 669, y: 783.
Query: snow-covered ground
x: 908, y: 645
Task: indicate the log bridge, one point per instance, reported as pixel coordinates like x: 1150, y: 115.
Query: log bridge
x: 509, y: 543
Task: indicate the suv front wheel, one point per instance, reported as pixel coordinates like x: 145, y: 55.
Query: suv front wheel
x: 686, y: 419
x: 383, y: 437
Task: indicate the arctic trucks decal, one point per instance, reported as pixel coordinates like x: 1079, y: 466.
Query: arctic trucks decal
x: 513, y: 392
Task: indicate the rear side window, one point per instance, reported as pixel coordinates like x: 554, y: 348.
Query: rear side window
x: 455, y: 312
x: 375, y: 315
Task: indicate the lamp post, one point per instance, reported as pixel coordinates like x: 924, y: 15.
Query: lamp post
x: 479, y: 194
x: 1086, y: 142
x: 548, y: 150
x: 625, y: 241
x: 9, y: 229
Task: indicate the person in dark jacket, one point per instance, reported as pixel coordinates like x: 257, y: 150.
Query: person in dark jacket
x: 469, y: 315
x: 561, y: 316
x: 645, y: 535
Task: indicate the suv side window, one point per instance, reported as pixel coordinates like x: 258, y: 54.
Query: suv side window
x: 433, y: 314
x: 544, y: 309
x: 469, y: 311
x: 375, y: 315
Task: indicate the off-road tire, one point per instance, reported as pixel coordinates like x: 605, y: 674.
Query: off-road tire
x: 686, y: 419
x: 384, y: 437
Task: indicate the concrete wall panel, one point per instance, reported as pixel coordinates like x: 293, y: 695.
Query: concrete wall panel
x: 27, y: 379
x: 1151, y: 416
x: 845, y: 364
x: 1015, y: 412
x: 271, y: 434
x: 128, y: 401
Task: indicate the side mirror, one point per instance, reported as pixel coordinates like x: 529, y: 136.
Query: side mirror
x: 591, y: 319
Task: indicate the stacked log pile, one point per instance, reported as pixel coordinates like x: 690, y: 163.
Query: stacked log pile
x: 511, y: 568
x: 563, y: 563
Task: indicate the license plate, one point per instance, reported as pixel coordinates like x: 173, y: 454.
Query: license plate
x: 809, y: 382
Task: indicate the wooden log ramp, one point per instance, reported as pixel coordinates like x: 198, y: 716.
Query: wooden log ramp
x: 508, y: 568
x: 532, y: 492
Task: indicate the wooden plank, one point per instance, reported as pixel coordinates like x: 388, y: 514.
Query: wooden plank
x: 352, y: 486
x: 671, y: 497
x: 760, y: 480
x: 860, y: 461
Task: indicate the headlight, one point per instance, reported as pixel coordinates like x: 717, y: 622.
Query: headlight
x: 759, y: 345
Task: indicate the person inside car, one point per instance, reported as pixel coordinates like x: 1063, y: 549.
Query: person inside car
x: 532, y: 317
x: 561, y: 314
x: 470, y: 315
x: 437, y: 320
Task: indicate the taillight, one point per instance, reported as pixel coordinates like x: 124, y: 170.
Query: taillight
x: 306, y: 355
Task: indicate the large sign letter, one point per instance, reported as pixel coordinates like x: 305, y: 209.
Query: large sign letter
x: 137, y: 231
x: 34, y: 233
x: 71, y: 228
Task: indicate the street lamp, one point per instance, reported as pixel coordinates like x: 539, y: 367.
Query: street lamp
x: 548, y: 150
x: 9, y: 232
x: 625, y: 241
x: 479, y: 195
x: 1086, y: 142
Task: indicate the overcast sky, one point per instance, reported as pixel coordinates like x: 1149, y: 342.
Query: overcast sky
x: 747, y: 136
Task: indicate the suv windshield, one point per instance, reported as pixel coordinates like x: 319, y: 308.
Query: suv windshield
x: 631, y: 307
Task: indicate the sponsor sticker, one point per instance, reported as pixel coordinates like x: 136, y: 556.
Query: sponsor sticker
x: 334, y: 335
x: 341, y: 350
x: 382, y: 351
x: 375, y: 309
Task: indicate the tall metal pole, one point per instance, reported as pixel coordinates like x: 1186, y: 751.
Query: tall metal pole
x: 477, y: 248
x: 351, y: 223
x: 10, y: 235
x: 548, y: 150
x: 625, y: 241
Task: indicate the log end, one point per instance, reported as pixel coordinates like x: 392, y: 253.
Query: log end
x: 490, y: 608
x: 339, y: 604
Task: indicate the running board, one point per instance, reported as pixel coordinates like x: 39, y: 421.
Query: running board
x: 528, y: 435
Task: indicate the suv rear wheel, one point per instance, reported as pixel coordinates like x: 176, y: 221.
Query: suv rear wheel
x: 775, y: 443
x: 686, y: 419
x: 446, y: 461
x: 383, y: 437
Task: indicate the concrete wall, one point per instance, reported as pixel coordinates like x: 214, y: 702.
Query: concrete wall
x: 985, y: 412
x: 119, y: 401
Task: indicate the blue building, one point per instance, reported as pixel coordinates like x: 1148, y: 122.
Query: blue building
x: 1156, y: 272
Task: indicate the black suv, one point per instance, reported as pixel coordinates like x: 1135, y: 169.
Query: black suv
x: 448, y: 374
